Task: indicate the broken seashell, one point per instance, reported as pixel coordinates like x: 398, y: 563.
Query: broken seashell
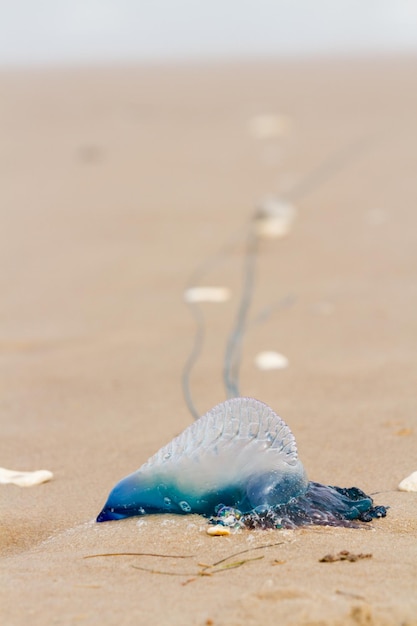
x: 207, y: 294
x: 409, y: 483
x: 270, y: 360
x: 218, y: 531
x: 24, y: 479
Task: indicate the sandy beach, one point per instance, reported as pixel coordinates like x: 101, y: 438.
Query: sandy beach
x: 116, y: 185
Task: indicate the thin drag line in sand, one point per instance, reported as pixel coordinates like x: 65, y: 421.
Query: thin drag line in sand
x: 233, y: 352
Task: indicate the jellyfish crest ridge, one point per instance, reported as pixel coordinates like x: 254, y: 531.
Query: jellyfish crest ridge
x: 236, y: 423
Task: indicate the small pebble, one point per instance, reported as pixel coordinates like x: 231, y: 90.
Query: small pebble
x: 344, y: 555
x: 274, y: 218
x: 218, y: 531
x: 24, y: 479
x: 409, y: 483
x: 207, y: 294
x: 270, y: 360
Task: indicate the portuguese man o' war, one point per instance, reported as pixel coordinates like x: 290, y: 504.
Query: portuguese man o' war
x: 238, y: 464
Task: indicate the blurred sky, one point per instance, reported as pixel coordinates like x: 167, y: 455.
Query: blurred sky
x: 90, y: 31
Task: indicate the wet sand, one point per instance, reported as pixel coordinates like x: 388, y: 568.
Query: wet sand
x: 115, y: 185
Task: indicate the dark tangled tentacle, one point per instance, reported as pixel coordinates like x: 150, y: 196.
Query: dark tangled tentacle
x: 321, y: 505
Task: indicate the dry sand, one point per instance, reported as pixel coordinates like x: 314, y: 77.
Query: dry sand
x: 115, y: 185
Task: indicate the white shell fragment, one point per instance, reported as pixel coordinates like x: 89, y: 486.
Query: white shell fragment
x: 218, y: 531
x: 269, y: 125
x: 409, y: 483
x: 24, y: 479
x: 207, y: 294
x: 274, y: 218
x: 270, y: 360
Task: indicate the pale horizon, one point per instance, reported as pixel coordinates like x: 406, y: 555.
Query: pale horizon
x: 60, y: 32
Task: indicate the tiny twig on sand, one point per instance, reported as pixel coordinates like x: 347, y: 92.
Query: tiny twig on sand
x: 204, y: 569
x: 164, y: 556
x: 207, y: 570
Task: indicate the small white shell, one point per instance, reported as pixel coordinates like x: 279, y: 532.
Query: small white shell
x: 207, y: 294
x: 409, y: 483
x: 24, y: 479
x: 270, y: 360
x: 218, y: 531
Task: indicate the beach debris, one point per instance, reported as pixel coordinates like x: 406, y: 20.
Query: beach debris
x: 24, y: 479
x: 409, y: 483
x: 207, y: 294
x: 218, y: 530
x: 349, y: 594
x: 269, y: 125
x: 161, y: 556
x: 344, y: 555
x: 404, y: 432
x: 240, y: 455
x: 274, y: 217
x: 204, y: 569
x: 270, y: 360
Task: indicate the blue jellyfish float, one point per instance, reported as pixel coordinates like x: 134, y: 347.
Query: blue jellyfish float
x: 238, y: 464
